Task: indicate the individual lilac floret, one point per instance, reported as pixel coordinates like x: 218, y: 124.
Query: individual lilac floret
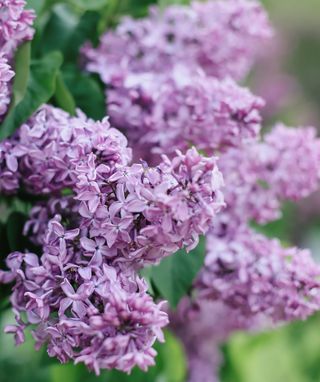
x: 253, y: 274
x: 15, y: 25
x: 42, y: 155
x: 6, y: 75
x: 80, y: 307
x: 221, y: 37
x: 160, y: 114
x: 144, y: 213
x: 258, y: 177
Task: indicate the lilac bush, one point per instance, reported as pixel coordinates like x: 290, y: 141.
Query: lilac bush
x: 179, y: 156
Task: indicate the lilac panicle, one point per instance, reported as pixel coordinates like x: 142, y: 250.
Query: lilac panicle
x: 83, y: 309
x: 43, y: 154
x: 255, y: 275
x: 284, y: 165
x: 160, y: 114
x: 221, y: 37
x: 146, y: 213
x: 15, y: 25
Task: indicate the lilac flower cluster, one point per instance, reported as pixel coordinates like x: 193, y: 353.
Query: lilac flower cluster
x: 253, y: 275
x: 15, y: 27
x: 146, y: 213
x: 105, y: 319
x: 284, y: 165
x: 221, y: 37
x: 43, y: 154
x: 160, y: 114
x: 157, y: 75
x: 84, y: 295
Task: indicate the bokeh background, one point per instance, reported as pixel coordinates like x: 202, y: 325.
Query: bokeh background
x: 288, y: 77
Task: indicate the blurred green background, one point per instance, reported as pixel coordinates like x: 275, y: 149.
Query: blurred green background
x: 286, y: 354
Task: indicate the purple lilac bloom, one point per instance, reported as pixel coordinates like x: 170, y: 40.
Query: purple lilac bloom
x: 221, y: 37
x: 138, y: 214
x: 255, y: 275
x: 82, y: 308
x: 285, y: 165
x: 146, y: 213
x: 15, y: 25
x: 43, y: 154
x: 162, y: 113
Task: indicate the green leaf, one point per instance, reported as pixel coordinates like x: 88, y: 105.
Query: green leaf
x: 92, y: 5
x: 58, y: 29
x: 22, y: 69
x: 41, y: 87
x: 174, y: 276
x: 63, y: 96
x: 88, y: 94
x: 15, y: 226
x: 86, y: 29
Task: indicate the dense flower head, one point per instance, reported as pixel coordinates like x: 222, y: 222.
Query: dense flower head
x: 162, y: 113
x: 43, y: 154
x: 82, y: 308
x: 145, y: 213
x: 15, y: 25
x: 221, y: 37
x: 139, y: 214
x: 284, y: 165
x: 255, y: 275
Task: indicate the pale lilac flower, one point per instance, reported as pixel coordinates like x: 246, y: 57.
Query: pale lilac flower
x: 162, y: 113
x: 44, y: 152
x: 284, y: 165
x: 106, y: 320
x: 221, y: 37
x: 15, y: 25
x: 255, y: 275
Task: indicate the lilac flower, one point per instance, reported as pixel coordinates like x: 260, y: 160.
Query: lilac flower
x: 162, y: 113
x: 255, y: 275
x: 221, y: 37
x: 283, y: 166
x: 147, y: 213
x: 15, y: 25
x: 106, y: 321
x: 44, y: 152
